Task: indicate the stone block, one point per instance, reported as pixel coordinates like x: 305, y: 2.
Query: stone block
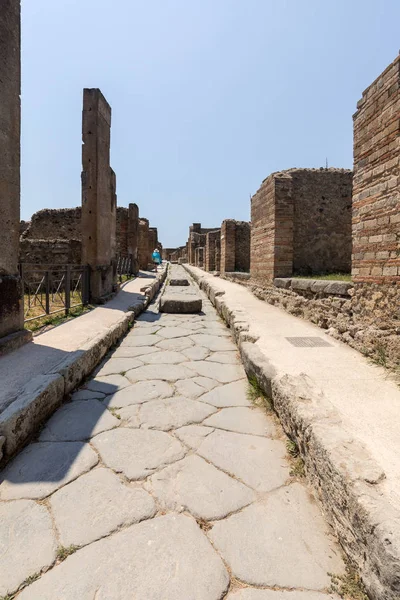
x: 179, y: 282
x: 180, y: 304
x: 283, y: 282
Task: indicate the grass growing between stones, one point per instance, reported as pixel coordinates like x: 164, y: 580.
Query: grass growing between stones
x: 297, y: 463
x: 348, y: 586
x: 329, y: 277
x: 257, y: 396
x: 115, y: 412
x: 64, y: 551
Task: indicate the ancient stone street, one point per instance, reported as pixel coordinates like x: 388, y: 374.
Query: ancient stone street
x: 160, y: 479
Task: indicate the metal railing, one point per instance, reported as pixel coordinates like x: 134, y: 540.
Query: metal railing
x: 125, y: 267
x: 53, y: 290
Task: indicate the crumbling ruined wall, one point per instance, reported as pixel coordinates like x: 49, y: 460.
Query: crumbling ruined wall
x: 235, y: 246
x: 212, y: 250
x: 197, y: 237
x: 44, y: 253
x: 301, y: 223
x: 144, y: 244
x: 55, y: 223
x: 199, y: 257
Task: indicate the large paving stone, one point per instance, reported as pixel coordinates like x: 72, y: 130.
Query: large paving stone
x: 78, y: 421
x: 213, y: 342
x: 189, y: 388
x: 130, y: 415
x: 27, y: 542
x: 167, y: 558
x: 193, y: 326
x: 42, y: 468
x: 220, y: 372
x: 216, y: 330
x: 206, y: 383
x: 254, y: 594
x: 259, y: 462
x: 150, y: 330
x: 174, y: 332
x: 196, y: 353
x: 87, y: 395
x: 175, y: 344
x: 232, y: 394
x: 282, y: 542
x: 137, y: 453
x: 141, y: 340
x: 134, y: 351
x: 166, y: 357
x: 228, y: 358
x: 193, y: 435
x: 95, y: 505
x: 114, y: 366
x: 196, y: 486
x: 108, y: 385
x: 140, y: 392
x: 163, y: 372
x: 174, y: 412
x: 243, y: 420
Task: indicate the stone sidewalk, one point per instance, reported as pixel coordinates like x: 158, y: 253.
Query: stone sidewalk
x: 160, y: 480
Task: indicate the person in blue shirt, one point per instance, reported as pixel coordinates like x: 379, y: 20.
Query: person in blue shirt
x: 156, y: 256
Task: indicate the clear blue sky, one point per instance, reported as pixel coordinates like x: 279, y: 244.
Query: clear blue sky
x: 208, y: 96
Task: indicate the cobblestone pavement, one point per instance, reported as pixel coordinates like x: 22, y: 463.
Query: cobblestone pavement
x: 160, y: 480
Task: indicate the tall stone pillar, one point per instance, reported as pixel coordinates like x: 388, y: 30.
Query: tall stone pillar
x: 228, y: 229
x: 11, y: 304
x: 98, y: 195
x: 133, y: 235
x: 143, y: 246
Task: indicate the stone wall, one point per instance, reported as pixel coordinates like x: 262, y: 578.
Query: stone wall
x: 50, y: 252
x: 376, y: 193
x: 301, y: 223
x: 55, y: 223
x: 199, y: 257
x: 11, y: 309
x: 144, y: 244
x: 235, y: 246
x: 197, y: 238
x: 212, y: 250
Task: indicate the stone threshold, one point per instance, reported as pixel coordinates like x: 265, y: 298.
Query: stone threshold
x: 347, y: 479
x: 43, y: 392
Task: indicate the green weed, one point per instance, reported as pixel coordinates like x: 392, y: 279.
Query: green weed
x: 64, y: 551
x: 256, y: 394
x: 348, y: 586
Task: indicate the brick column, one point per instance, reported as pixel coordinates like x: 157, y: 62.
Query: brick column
x: 133, y: 235
x: 212, y: 241
x: 228, y: 229
x: 98, y: 195
x: 11, y: 305
x: 143, y: 246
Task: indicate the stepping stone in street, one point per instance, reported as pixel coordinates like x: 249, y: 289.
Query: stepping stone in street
x: 193, y: 435
x: 166, y: 558
x: 137, y: 453
x: 213, y: 342
x: 231, y: 394
x: 194, y: 485
x: 180, y: 303
x: 243, y: 420
x: 282, y: 542
x: 42, y: 468
x: 159, y: 371
x: 179, y: 282
x: 95, y: 505
x: 140, y: 392
x: 220, y: 372
x: 174, y: 412
x: 27, y: 543
x: 259, y: 462
x: 78, y: 421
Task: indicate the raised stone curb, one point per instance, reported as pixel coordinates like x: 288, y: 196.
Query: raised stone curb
x: 43, y: 394
x: 347, y: 479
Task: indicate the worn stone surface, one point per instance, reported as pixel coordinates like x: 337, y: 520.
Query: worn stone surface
x: 166, y: 357
x: 115, y: 366
x: 180, y: 303
x: 220, y: 372
x: 44, y: 467
x: 193, y: 435
x: 176, y: 344
x: 243, y: 420
x: 163, y: 555
x: 97, y: 504
x: 137, y: 453
x: 231, y: 394
x: 174, y: 332
x: 87, y: 395
x: 174, y: 412
x: 190, y: 388
x: 134, y: 351
x: 291, y: 548
x: 254, y: 594
x: 141, y: 340
x: 163, y: 372
x: 228, y: 358
x: 107, y: 385
x: 196, y: 353
x: 78, y: 421
x: 194, y: 485
x: 140, y: 392
x: 26, y: 532
x: 258, y: 462
x: 213, y: 342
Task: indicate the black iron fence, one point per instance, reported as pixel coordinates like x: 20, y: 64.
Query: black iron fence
x: 125, y: 267
x: 53, y: 289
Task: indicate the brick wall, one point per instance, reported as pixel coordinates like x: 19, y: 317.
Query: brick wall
x: 50, y: 252
x: 376, y: 192
x: 55, y: 223
x: 143, y: 245
x: 199, y: 257
x: 235, y: 246
x: 301, y: 223
x: 213, y: 243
